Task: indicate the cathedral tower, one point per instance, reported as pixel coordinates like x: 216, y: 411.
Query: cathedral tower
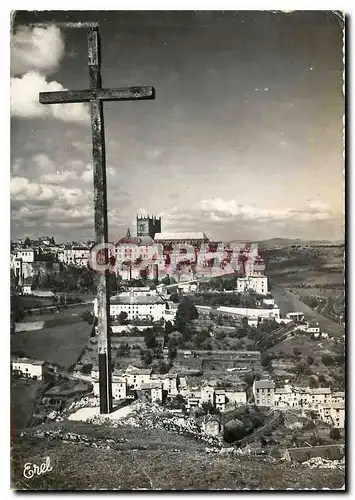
x: 148, y: 226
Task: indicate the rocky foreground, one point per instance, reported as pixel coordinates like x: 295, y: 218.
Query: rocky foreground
x: 90, y: 457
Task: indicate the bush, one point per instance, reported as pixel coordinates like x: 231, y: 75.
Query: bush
x: 236, y: 433
x: 328, y: 359
x: 334, y: 434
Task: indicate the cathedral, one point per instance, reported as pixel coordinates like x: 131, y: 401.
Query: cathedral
x: 187, y: 255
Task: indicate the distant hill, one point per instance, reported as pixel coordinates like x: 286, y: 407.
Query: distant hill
x: 285, y: 242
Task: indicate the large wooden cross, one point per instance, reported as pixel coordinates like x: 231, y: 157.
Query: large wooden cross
x: 95, y: 95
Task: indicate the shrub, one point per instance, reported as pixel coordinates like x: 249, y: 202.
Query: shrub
x: 334, y: 434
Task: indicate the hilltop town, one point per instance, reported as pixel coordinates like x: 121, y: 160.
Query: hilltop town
x: 202, y: 352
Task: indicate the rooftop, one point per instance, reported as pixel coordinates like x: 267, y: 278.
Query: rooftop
x: 338, y: 394
x: 140, y: 371
x: 134, y: 240
x: 264, y: 384
x: 320, y: 390
x: 27, y: 361
x: 154, y: 384
x: 136, y: 300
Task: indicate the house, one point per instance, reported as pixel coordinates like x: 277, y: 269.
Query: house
x: 333, y: 414
x: 211, y: 426
x: 324, y: 335
x: 338, y: 397
x: 263, y: 391
x: 152, y: 391
x: 29, y: 368
x: 193, y: 400
x: 318, y: 396
x: 169, y: 382
x: 295, y: 316
x: 26, y: 288
x: 151, y: 307
x: 135, y: 377
x: 283, y: 397
x: 207, y: 393
x: 43, y: 293
x: 329, y: 452
x: 188, y: 286
x: 236, y: 397
x: 220, y: 399
x: 95, y: 372
x: 257, y: 283
x: 314, y: 328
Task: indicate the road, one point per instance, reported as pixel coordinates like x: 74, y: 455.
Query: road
x: 288, y: 302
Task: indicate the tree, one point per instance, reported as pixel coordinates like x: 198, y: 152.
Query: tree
x: 249, y: 379
x: 208, y: 408
x: 146, y: 357
x: 266, y: 360
x: 150, y: 339
x: 123, y: 350
x: 86, y: 369
x: 334, y: 434
x: 313, y: 382
x: 186, y: 310
x: 27, y: 242
x: 169, y: 327
x: 172, y: 352
x: 310, y: 360
x: 328, y: 359
x: 122, y: 318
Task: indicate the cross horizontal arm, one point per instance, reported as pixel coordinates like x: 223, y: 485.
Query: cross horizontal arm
x: 120, y: 94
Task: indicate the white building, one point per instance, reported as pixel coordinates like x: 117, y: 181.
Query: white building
x: 207, y: 394
x: 155, y: 389
x: 29, y: 368
x: 169, y: 382
x: 338, y: 397
x: 148, y: 307
x: 75, y: 256
x: 259, y: 313
x: 263, y: 391
x: 319, y: 396
x: 119, y: 388
x: 135, y: 377
x: 256, y: 283
x: 236, y: 397
x: 220, y: 399
x: 187, y: 286
x: 26, y: 254
x: 295, y: 316
x: 333, y: 414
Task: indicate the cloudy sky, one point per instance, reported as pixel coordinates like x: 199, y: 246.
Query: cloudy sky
x: 243, y: 140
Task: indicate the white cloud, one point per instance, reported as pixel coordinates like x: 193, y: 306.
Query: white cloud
x: 35, y: 53
x: 33, y: 192
x: 24, y: 100
x: 218, y: 209
x: 87, y: 175
x: 39, y: 49
x: 60, y: 177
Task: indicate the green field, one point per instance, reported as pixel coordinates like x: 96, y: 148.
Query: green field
x: 23, y: 399
x: 61, y: 345
x: 154, y: 460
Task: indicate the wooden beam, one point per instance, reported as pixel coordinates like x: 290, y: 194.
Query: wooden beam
x: 120, y: 94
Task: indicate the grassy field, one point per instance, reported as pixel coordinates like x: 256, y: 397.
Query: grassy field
x: 61, y: 345
x: 154, y: 460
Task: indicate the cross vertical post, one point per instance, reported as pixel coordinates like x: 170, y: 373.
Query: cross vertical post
x: 94, y: 95
x: 101, y: 232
